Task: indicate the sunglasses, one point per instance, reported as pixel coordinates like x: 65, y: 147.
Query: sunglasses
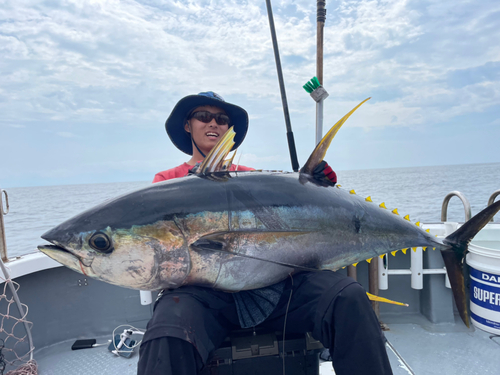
x: 206, y: 117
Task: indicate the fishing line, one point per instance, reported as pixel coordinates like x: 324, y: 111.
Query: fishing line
x: 284, y: 324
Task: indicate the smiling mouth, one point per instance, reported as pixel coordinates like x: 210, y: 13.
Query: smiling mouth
x: 212, y: 135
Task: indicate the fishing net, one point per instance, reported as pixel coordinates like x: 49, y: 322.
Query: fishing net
x: 15, y: 349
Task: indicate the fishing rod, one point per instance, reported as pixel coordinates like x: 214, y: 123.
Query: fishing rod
x: 289, y: 133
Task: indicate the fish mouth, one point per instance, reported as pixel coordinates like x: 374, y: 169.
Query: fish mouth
x: 67, y: 258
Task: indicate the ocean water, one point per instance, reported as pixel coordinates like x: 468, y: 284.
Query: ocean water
x: 418, y: 192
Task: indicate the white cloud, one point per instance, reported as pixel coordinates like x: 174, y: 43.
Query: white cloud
x: 77, y: 66
x: 66, y: 134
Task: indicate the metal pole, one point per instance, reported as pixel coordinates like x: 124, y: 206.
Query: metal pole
x: 289, y: 134
x: 3, y: 242
x: 373, y: 284
x: 351, y: 272
x: 321, y: 18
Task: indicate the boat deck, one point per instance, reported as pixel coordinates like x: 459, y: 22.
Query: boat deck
x: 425, y: 348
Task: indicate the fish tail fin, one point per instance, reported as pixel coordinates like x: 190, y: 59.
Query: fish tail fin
x: 319, y: 152
x: 454, y: 256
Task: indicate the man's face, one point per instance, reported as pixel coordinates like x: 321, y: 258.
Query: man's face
x: 206, y: 135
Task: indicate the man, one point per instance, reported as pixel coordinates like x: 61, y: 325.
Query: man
x: 189, y: 323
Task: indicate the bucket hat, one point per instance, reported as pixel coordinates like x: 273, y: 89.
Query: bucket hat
x: 174, y: 125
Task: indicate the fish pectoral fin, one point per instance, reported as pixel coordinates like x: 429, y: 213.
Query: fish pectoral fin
x: 319, y: 152
x: 233, y: 243
x: 209, y: 244
x: 215, y: 160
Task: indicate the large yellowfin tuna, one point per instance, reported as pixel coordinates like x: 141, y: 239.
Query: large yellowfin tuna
x: 242, y: 230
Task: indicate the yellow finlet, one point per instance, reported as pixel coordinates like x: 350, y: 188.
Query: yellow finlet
x: 424, y: 248
x: 382, y: 256
x: 433, y: 248
x: 369, y: 260
x: 368, y: 199
x: 407, y: 217
x: 394, y: 252
x: 355, y: 264
x: 395, y: 211
x: 352, y: 192
x: 404, y: 250
x: 417, y: 223
x: 382, y: 205
x: 428, y: 230
x: 320, y: 151
x: 414, y: 249
x: 373, y: 297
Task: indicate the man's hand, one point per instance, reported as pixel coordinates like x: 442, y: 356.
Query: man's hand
x: 195, y: 168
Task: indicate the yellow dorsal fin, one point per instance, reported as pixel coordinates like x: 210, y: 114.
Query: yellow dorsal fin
x: 407, y: 217
x: 395, y: 211
x: 382, y: 205
x: 394, y: 252
x: 373, y: 297
x: 352, y: 192
x: 214, y: 161
x: 320, y: 151
x: 368, y: 199
x: 404, y: 250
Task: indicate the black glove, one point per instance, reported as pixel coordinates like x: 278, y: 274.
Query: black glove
x: 323, y: 170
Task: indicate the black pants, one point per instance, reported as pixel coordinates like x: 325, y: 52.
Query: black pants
x: 189, y: 323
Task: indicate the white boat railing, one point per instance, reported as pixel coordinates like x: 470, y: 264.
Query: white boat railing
x: 416, y: 270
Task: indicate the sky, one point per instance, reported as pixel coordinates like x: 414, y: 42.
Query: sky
x: 86, y: 85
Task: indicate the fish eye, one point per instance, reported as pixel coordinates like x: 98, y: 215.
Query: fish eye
x: 100, y: 242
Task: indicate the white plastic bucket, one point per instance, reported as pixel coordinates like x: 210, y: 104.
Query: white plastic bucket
x: 484, y: 267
